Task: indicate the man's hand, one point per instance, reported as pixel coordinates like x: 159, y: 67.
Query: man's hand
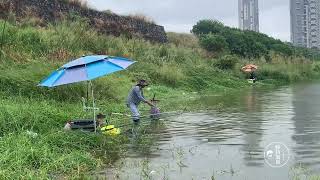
x: 150, y: 103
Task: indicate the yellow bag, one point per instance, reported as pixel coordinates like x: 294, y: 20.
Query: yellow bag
x: 110, y: 130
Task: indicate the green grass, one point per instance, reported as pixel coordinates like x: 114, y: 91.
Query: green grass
x: 176, y: 70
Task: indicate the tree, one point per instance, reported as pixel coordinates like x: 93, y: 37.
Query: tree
x: 207, y: 27
x: 213, y: 43
x: 214, y: 36
x: 227, y: 62
x: 236, y: 42
x: 254, y: 48
x: 284, y: 49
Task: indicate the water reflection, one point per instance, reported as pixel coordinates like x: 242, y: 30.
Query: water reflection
x: 251, y: 127
x: 231, y: 141
x: 306, y: 122
x: 144, y: 138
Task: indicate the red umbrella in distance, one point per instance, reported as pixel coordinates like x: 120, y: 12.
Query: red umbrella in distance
x: 249, y: 68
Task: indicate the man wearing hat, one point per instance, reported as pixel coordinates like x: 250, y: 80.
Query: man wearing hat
x: 135, y: 97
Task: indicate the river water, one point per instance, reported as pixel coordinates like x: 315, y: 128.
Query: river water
x: 231, y: 143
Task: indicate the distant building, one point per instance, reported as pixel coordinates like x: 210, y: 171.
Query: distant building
x: 249, y: 15
x: 305, y: 23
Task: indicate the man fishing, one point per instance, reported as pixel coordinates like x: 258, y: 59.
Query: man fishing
x: 135, y: 97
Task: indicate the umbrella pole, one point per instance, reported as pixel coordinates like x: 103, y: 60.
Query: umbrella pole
x: 88, y: 86
x: 94, y: 109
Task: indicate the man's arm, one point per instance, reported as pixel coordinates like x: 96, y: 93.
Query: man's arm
x: 150, y: 103
x: 139, y: 94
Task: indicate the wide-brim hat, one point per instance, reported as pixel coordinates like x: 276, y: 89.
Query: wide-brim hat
x: 143, y: 82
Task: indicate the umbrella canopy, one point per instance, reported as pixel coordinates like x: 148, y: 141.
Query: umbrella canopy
x: 249, y: 68
x: 85, y: 69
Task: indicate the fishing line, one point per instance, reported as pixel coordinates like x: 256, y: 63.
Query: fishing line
x: 148, y: 116
x: 187, y: 97
x: 169, y: 114
x: 141, y: 123
x: 191, y: 146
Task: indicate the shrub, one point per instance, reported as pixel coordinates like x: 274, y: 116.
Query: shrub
x: 283, y: 49
x: 316, y: 68
x: 273, y: 74
x: 140, y: 75
x: 207, y: 27
x: 226, y: 62
x: 213, y: 43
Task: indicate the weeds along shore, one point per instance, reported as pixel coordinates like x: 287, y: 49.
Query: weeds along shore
x: 176, y: 70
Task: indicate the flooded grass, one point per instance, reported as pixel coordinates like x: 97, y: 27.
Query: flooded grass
x: 300, y: 172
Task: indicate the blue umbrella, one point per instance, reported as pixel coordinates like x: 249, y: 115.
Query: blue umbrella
x: 86, y: 68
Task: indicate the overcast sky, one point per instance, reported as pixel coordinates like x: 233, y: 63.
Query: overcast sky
x: 181, y: 15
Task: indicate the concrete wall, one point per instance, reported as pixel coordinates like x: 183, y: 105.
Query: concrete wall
x: 106, y: 23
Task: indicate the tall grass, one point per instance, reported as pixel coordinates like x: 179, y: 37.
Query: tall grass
x: 183, y: 39
x: 52, y: 152
x: 142, y: 17
x: 30, y: 54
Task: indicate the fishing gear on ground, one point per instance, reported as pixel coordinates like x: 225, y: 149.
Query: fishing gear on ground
x: 88, y: 125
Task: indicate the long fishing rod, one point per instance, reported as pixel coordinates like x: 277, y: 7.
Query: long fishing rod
x: 164, y: 113
x: 187, y: 97
x: 147, y: 116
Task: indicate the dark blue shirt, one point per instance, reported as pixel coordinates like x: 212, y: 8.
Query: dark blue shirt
x: 136, y: 96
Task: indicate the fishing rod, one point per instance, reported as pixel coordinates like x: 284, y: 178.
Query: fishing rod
x: 186, y: 97
x: 154, y: 112
x: 147, y: 116
x: 169, y: 113
x: 142, y: 117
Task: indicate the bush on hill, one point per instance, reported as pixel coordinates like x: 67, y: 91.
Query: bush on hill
x: 213, y: 43
x: 248, y: 44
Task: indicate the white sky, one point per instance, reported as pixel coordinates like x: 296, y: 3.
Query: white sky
x: 181, y: 15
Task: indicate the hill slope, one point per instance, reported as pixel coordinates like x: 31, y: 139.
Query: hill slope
x: 104, y: 22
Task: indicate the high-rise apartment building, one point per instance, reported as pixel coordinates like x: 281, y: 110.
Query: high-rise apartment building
x: 305, y: 23
x: 249, y: 15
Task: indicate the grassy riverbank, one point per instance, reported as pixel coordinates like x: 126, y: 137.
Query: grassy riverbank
x: 177, y: 70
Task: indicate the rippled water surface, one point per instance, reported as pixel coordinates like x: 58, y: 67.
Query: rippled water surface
x: 229, y: 144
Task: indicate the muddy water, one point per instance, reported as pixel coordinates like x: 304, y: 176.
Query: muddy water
x: 231, y: 143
